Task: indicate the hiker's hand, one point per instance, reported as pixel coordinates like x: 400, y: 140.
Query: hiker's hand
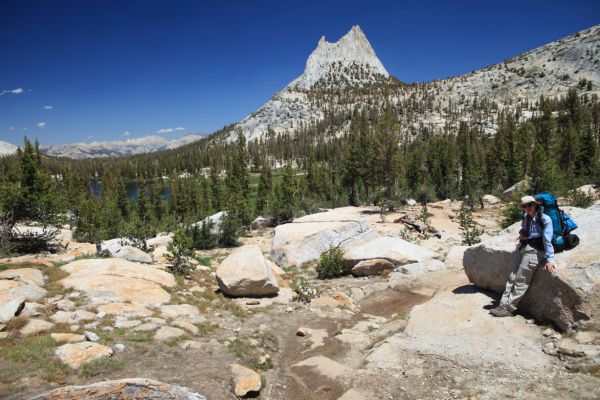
x: 522, y: 237
x: 549, y: 266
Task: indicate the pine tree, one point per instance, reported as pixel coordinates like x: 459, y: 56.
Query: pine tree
x: 27, y: 194
x: 469, y: 230
x: 265, y: 186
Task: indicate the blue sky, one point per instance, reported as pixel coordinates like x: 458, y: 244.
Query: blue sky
x: 75, y: 71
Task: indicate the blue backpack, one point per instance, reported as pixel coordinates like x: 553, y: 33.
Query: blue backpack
x: 561, y: 222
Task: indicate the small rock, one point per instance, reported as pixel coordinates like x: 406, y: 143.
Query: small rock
x: 168, y: 332
x: 191, y: 344
x: 77, y: 354
x: 188, y: 326
x: 91, y: 336
x: 548, y: 332
x: 119, y: 346
x: 302, y: 331
x: 148, y: 326
x: 245, y: 380
x: 253, y: 302
x: 67, y: 337
x: 11, y: 309
x: 126, y: 324
x: 101, y: 314
x: 549, y: 349
x: 34, y: 326
x: 289, y: 309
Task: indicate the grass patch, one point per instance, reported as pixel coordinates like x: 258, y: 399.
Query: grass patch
x: 234, y: 310
x: 139, y: 336
x: 54, y: 275
x: 240, y: 348
x: 101, y: 366
x: 254, y: 363
x: 175, y: 341
x: 206, y: 327
x: 32, y: 357
x: 16, y: 323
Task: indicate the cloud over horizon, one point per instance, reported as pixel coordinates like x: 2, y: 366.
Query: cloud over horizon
x: 170, y: 130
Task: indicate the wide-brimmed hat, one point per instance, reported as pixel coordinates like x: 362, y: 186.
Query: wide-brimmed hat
x: 528, y: 199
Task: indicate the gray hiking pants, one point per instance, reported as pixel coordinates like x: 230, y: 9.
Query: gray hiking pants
x: 520, y: 278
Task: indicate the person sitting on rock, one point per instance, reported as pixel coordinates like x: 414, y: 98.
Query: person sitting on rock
x: 535, y: 246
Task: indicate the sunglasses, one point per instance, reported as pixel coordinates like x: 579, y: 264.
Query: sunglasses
x: 527, y: 205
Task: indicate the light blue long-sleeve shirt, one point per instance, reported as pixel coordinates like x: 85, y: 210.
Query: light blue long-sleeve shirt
x: 536, y: 232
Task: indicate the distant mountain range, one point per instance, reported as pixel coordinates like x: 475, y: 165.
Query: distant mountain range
x: 115, y: 148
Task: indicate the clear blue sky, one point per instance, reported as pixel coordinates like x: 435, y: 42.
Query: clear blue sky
x: 109, y: 67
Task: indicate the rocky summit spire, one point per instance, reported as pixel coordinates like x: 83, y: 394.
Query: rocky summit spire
x: 352, y: 51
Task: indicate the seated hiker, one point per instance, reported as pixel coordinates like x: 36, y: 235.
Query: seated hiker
x: 535, y: 246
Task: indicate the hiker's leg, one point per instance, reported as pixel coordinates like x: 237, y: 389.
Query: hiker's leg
x: 509, y: 285
x: 524, y: 275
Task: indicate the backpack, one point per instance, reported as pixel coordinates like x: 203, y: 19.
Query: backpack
x: 562, y: 224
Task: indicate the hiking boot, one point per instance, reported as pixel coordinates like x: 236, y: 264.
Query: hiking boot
x: 501, y: 311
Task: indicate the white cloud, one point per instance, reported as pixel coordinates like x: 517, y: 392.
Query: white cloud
x: 41, y: 124
x: 12, y: 128
x: 126, y: 133
x: 47, y: 107
x: 170, y: 130
x: 13, y: 91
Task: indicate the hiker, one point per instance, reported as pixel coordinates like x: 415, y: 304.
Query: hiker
x: 535, y: 246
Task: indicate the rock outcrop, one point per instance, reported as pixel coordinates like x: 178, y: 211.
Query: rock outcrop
x: 375, y: 266
x: 245, y: 272
x: 454, y: 325
x: 304, y: 239
x: 134, y: 254
x: 566, y: 297
x: 116, y: 280
x: 132, y: 388
x: 395, y: 250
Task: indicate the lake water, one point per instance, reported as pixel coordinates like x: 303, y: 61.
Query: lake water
x: 132, y: 188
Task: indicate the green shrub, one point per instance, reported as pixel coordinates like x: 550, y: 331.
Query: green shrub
x: 181, y: 252
x: 306, y: 291
x: 578, y: 198
x: 331, y: 264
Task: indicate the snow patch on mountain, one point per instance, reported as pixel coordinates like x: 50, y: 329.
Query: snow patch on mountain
x: 119, y: 148
x: 7, y: 148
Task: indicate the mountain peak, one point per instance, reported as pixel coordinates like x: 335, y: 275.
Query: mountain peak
x: 352, y: 50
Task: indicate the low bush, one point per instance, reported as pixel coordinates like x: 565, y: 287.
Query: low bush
x: 331, y: 264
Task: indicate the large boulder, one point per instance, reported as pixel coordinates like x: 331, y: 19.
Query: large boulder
x: 162, y: 239
x: 396, y: 250
x: 520, y: 186
x: 134, y: 254
x: 245, y: 272
x: 112, y: 246
x: 114, y: 280
x: 304, y: 239
x: 132, y: 388
x: 215, y: 219
x: 58, y: 236
x: 566, y: 297
x: 490, y: 199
